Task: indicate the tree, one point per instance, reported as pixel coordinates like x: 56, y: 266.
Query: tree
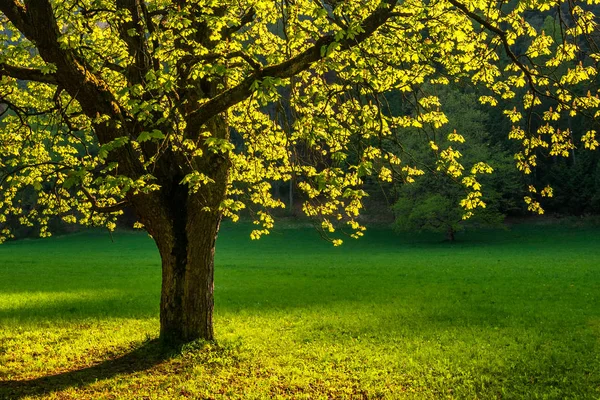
x: 432, y: 203
x: 137, y: 103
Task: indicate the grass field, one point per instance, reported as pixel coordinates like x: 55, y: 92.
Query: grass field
x: 508, y: 314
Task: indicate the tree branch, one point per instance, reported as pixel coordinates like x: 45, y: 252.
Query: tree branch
x: 16, y: 13
x: 37, y: 22
x: 27, y: 74
x: 41, y: 28
x: 103, y: 209
x: 502, y: 35
x: 151, y: 29
x: 245, y: 20
x: 137, y: 45
x: 286, y: 69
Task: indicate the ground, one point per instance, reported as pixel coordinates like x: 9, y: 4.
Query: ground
x: 500, y: 314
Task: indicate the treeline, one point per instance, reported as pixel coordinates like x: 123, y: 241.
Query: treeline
x: 432, y: 202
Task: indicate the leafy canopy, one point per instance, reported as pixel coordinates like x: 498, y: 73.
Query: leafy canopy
x: 108, y: 100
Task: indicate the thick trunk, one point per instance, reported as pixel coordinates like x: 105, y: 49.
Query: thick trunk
x: 184, y: 226
x: 185, y: 232
x: 186, y: 305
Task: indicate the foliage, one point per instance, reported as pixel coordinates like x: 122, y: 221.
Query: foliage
x: 576, y: 184
x: 434, y: 206
x: 502, y: 313
x: 110, y: 103
x: 433, y: 202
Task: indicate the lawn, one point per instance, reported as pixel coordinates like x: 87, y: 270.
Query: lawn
x: 500, y: 314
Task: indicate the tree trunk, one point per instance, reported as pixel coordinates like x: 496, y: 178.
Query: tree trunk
x: 184, y: 226
x: 185, y: 233
x: 186, y: 305
x: 450, y: 234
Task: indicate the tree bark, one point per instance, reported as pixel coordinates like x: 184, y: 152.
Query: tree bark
x: 185, y: 230
x: 186, y: 305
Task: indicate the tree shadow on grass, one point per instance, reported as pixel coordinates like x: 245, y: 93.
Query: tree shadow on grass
x: 142, y: 358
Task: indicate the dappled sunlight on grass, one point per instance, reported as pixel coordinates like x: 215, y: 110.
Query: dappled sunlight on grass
x: 26, y: 302
x: 51, y: 347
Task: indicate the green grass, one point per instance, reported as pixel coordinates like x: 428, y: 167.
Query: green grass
x: 508, y: 314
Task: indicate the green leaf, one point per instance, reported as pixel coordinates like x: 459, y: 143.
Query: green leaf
x: 146, y: 136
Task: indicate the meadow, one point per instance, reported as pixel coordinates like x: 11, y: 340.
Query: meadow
x: 500, y: 314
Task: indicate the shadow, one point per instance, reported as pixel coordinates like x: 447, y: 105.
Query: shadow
x: 141, y: 359
x: 138, y: 307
